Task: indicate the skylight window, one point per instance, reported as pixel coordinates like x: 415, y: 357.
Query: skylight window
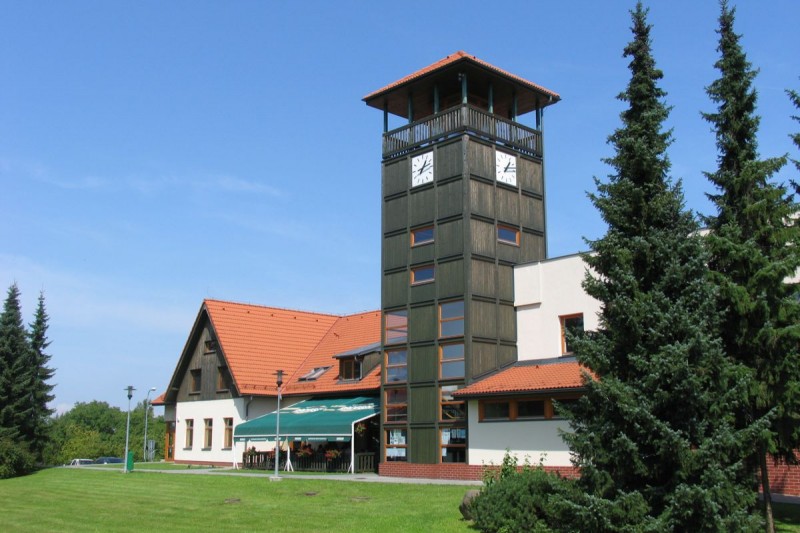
x: 314, y: 374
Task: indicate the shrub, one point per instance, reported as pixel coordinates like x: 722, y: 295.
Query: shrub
x: 15, y: 459
x: 530, y: 500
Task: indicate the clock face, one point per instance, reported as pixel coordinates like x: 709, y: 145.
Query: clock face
x: 506, y: 168
x: 422, y: 169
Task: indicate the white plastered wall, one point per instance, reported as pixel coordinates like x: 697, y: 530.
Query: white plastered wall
x: 240, y: 409
x: 543, y: 292
x: 534, y: 441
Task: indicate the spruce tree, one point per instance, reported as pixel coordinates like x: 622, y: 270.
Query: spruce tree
x: 753, y: 241
x: 654, y: 435
x: 41, y: 392
x: 794, y: 96
x: 15, y: 355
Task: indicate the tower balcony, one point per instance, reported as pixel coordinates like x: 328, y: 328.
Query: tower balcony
x: 463, y: 119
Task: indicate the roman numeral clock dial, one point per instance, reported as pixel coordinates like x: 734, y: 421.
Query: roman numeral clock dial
x: 422, y: 169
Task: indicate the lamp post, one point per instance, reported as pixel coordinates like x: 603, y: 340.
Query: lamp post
x: 130, y: 390
x: 279, y: 380
x: 146, y: 412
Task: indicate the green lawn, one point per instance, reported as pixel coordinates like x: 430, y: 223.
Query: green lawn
x: 97, y: 499
x: 103, y: 499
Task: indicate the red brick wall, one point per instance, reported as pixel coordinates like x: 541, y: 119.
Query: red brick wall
x: 463, y: 472
x: 784, y: 479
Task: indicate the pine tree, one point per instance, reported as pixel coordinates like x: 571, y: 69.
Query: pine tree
x: 754, y: 242
x: 41, y: 388
x: 794, y: 96
x: 654, y: 435
x: 15, y: 355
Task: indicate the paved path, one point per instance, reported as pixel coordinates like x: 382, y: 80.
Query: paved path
x: 363, y: 477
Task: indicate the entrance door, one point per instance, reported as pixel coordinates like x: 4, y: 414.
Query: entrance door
x: 169, y: 442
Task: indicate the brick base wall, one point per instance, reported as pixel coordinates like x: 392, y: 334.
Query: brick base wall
x: 784, y: 479
x: 459, y: 471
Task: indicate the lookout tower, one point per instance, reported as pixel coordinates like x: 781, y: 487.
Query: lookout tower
x: 463, y: 202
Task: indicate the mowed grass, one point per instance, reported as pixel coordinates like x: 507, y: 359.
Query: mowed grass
x: 98, y: 499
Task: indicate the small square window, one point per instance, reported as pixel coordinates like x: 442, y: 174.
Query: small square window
x: 423, y: 274
x: 422, y: 236
x: 508, y: 235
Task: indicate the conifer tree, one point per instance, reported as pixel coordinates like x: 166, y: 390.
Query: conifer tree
x: 41, y: 392
x: 14, y: 356
x: 654, y: 435
x: 794, y: 96
x: 753, y: 240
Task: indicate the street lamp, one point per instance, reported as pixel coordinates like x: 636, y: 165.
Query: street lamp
x: 279, y: 381
x: 146, y: 412
x: 130, y: 390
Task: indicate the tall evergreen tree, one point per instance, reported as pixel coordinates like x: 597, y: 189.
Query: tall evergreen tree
x: 794, y: 96
x: 15, y: 354
x: 654, y: 435
x: 41, y: 391
x: 753, y: 240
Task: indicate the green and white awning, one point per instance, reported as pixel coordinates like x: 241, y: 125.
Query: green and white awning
x: 326, y: 419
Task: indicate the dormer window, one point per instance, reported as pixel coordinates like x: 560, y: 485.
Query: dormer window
x: 314, y: 374
x: 350, y: 368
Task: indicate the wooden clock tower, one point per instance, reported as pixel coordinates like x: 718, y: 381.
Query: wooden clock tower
x: 463, y: 202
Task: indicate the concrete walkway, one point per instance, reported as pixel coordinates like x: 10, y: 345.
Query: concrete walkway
x: 367, y: 477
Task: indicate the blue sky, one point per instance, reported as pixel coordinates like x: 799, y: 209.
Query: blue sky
x: 153, y: 154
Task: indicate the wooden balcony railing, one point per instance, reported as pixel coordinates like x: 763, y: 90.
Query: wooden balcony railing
x: 459, y: 120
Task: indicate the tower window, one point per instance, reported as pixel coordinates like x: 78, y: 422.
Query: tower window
x: 422, y: 236
x: 396, y: 405
x: 396, y: 445
x: 396, y: 326
x: 451, y: 359
x: 508, y: 235
x: 396, y: 367
x: 452, y: 409
x: 572, y: 325
x: 423, y: 274
x: 451, y: 319
x: 454, y: 445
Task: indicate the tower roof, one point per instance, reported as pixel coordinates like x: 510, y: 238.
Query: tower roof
x: 445, y: 73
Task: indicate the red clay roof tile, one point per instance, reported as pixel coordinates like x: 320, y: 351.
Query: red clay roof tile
x: 528, y: 378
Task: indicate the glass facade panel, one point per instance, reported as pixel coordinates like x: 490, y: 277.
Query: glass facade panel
x: 396, y: 369
x: 396, y: 326
x: 451, y: 319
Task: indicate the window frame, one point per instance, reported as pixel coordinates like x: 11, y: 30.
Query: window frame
x: 222, y: 379
x: 459, y: 446
x: 442, y: 361
x: 562, y: 319
x: 388, y: 404
x: 443, y: 402
x: 208, y: 433
x: 401, y: 327
x: 354, y: 363
x: 513, y: 409
x: 387, y: 445
x: 506, y: 227
x: 195, y: 381
x: 189, y: 435
x: 443, y: 321
x: 228, y: 438
x: 416, y: 242
x: 389, y: 366
x: 419, y: 269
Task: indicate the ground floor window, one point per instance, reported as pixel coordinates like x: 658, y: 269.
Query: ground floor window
x: 396, y: 444
x: 454, y: 445
x: 208, y: 433
x: 189, y: 432
x: 228, y: 432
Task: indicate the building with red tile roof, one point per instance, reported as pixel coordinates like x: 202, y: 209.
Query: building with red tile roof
x: 227, y: 371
